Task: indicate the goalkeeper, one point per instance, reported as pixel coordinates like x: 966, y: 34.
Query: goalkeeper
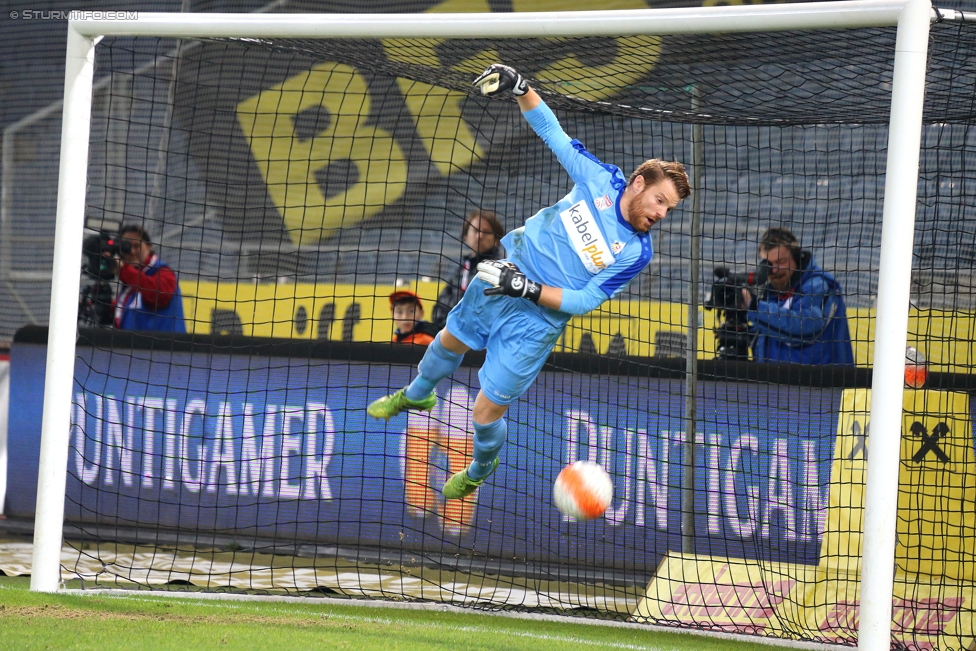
x: 566, y: 260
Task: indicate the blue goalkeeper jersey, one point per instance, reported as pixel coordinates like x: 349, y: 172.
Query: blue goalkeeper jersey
x: 583, y: 241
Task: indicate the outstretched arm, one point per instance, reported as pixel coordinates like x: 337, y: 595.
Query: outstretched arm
x: 507, y: 279
x: 529, y: 101
x: 551, y: 297
x: 498, y: 78
x: 572, y: 155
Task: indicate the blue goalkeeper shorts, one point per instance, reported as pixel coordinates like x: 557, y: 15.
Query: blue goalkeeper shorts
x: 513, y: 332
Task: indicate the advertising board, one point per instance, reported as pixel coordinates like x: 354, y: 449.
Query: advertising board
x: 281, y: 447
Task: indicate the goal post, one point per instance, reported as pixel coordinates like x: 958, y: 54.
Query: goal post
x: 912, y: 19
x: 894, y: 281
x: 72, y: 181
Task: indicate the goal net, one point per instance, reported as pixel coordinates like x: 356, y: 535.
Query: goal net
x: 293, y: 185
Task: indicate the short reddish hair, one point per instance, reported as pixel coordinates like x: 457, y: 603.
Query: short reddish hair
x: 655, y: 170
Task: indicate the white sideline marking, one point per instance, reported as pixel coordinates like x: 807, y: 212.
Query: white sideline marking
x: 391, y: 621
x: 371, y: 603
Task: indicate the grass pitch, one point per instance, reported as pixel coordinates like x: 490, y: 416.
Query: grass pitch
x: 141, y: 621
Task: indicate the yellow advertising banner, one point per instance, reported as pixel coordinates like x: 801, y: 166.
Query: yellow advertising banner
x: 347, y: 312
x: 936, y: 493
x: 361, y: 312
x: 935, y: 564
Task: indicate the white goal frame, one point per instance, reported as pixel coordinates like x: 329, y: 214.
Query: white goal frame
x: 912, y: 18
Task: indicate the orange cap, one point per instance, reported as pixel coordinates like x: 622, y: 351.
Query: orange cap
x: 403, y: 295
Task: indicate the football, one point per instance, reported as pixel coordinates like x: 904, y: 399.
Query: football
x: 583, y: 490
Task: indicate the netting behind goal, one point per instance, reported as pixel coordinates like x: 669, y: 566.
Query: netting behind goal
x: 295, y: 185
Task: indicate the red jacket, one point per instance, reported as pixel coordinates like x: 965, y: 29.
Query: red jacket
x: 157, y: 289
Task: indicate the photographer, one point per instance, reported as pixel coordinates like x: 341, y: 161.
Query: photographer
x: 149, y: 298
x: 799, y: 315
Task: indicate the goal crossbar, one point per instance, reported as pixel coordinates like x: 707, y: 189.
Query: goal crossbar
x: 912, y: 19
x: 659, y: 22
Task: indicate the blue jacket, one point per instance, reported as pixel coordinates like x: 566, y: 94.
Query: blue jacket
x: 132, y: 314
x: 808, y: 327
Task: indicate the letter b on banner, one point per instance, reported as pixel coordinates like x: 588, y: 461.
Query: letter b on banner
x: 340, y: 171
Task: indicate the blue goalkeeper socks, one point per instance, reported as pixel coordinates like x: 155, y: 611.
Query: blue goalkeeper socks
x: 488, y: 441
x: 437, y: 364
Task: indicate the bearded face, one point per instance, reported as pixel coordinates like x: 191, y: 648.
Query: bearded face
x: 649, y: 204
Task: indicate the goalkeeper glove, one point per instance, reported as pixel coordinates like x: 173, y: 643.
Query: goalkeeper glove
x: 497, y: 78
x: 506, y: 279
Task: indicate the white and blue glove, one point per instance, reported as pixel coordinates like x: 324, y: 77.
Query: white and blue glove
x: 505, y: 278
x: 498, y: 78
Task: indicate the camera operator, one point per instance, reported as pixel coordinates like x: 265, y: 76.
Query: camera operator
x: 149, y: 298
x: 799, y: 314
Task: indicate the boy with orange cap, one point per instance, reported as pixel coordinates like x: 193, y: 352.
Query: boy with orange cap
x: 408, y: 317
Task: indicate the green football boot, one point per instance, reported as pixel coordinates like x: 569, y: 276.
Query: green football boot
x: 460, y: 485
x: 389, y: 406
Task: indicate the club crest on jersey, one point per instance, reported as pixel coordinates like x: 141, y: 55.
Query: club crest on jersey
x: 602, y: 203
x: 617, y: 247
x: 586, y: 237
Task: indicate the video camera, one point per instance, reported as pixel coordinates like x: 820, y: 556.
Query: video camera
x: 98, y: 265
x: 99, y: 252
x: 732, y: 335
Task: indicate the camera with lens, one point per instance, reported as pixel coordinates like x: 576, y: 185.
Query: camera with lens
x: 732, y: 334
x: 100, y: 252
